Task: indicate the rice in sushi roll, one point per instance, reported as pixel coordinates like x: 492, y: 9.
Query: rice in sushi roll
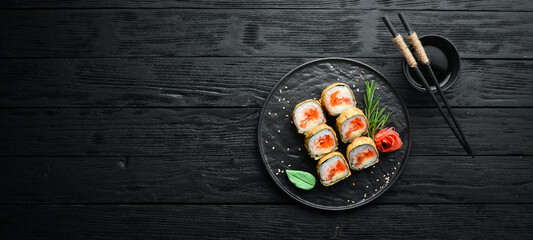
x: 320, y: 141
x: 336, y: 98
x: 332, y: 168
x: 307, y: 115
x: 362, y: 153
x: 351, y: 124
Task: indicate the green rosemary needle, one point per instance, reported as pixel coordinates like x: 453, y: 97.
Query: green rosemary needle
x: 375, y: 116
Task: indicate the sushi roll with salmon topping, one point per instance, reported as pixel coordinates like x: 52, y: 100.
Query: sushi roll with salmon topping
x: 362, y: 153
x: 320, y: 141
x: 351, y: 124
x: 332, y: 169
x: 307, y: 115
x: 336, y: 98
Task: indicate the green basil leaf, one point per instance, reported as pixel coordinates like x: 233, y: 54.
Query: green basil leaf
x: 301, y: 179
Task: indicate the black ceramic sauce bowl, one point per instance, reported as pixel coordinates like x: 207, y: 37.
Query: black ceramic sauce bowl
x: 445, y: 63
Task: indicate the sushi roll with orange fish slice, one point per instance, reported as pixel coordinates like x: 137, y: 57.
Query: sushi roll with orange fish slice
x: 332, y: 169
x: 362, y: 153
x: 351, y: 124
x: 320, y: 141
x: 307, y: 115
x: 336, y: 98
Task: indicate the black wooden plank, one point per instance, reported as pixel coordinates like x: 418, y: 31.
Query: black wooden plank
x: 470, y: 221
x: 225, y: 132
x: 229, y: 82
x: 493, y: 5
x: 219, y: 32
x: 242, y: 179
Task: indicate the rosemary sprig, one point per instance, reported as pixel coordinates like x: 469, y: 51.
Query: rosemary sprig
x: 375, y: 116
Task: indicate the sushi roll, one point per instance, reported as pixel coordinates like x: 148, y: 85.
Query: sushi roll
x: 362, y: 153
x: 307, y: 115
x: 320, y: 141
x: 351, y: 124
x: 336, y: 98
x: 332, y: 168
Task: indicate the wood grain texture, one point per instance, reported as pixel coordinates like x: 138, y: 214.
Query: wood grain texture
x: 242, y: 179
x: 219, y: 32
x: 493, y: 5
x: 266, y: 222
x: 226, y: 82
x: 225, y: 132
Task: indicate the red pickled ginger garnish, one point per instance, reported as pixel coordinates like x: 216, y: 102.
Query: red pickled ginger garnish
x: 388, y: 140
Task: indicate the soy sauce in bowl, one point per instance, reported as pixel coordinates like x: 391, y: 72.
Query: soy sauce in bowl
x: 444, y: 59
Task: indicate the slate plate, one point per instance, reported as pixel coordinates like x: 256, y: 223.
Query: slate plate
x: 282, y: 148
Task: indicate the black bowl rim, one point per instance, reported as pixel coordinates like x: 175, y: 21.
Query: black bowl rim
x: 446, y: 84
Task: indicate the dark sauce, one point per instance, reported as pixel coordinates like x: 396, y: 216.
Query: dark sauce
x: 439, y: 64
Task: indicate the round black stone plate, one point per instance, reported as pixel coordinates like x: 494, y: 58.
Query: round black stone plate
x: 282, y: 148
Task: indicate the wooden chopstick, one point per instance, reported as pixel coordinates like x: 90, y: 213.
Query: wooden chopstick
x: 422, y: 57
x: 398, y: 39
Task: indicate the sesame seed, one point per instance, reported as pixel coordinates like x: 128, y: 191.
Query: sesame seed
x: 276, y: 173
x: 383, y: 175
x: 299, y: 149
x: 392, y: 173
x: 366, y: 186
x: 394, y: 168
x: 365, y: 194
x: 353, y: 85
x: 281, y: 161
x: 289, y: 165
x: 273, y: 147
x: 357, y: 80
x: 279, y: 100
x: 338, y: 79
x: 286, y: 115
x: 353, y: 184
x: 279, y: 170
x: 372, y: 172
x: 351, y: 71
x: 283, y: 99
x: 275, y: 114
x: 282, y: 171
x: 377, y: 180
x: 288, y: 102
x: 280, y: 91
x: 360, y: 75
x: 288, y: 149
x: 353, y: 201
x: 375, y: 190
x: 292, y: 122
x: 283, y: 107
x: 377, y: 87
x: 347, y: 200
x: 285, y: 87
x: 269, y: 113
x: 374, y: 166
x: 340, y: 70
x: 266, y: 141
x: 357, y: 90
x: 279, y: 130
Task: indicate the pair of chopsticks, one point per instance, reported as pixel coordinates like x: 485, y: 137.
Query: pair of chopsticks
x: 422, y: 57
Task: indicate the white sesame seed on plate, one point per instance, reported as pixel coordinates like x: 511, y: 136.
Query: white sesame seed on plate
x: 280, y: 91
x: 266, y: 141
x: 286, y: 115
x: 281, y: 161
x: 279, y: 130
x: 276, y: 173
x: 269, y: 113
x: 348, y: 200
x: 282, y: 171
x: 273, y: 147
x: 283, y: 99
x: 288, y: 149
x: 289, y: 165
x: 275, y: 114
x: 353, y: 201
x: 377, y: 180
x: 285, y: 87
x: 299, y: 149
x: 283, y: 107
x: 338, y: 79
x: 357, y: 90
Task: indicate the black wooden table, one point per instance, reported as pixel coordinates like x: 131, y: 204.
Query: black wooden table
x: 138, y: 119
